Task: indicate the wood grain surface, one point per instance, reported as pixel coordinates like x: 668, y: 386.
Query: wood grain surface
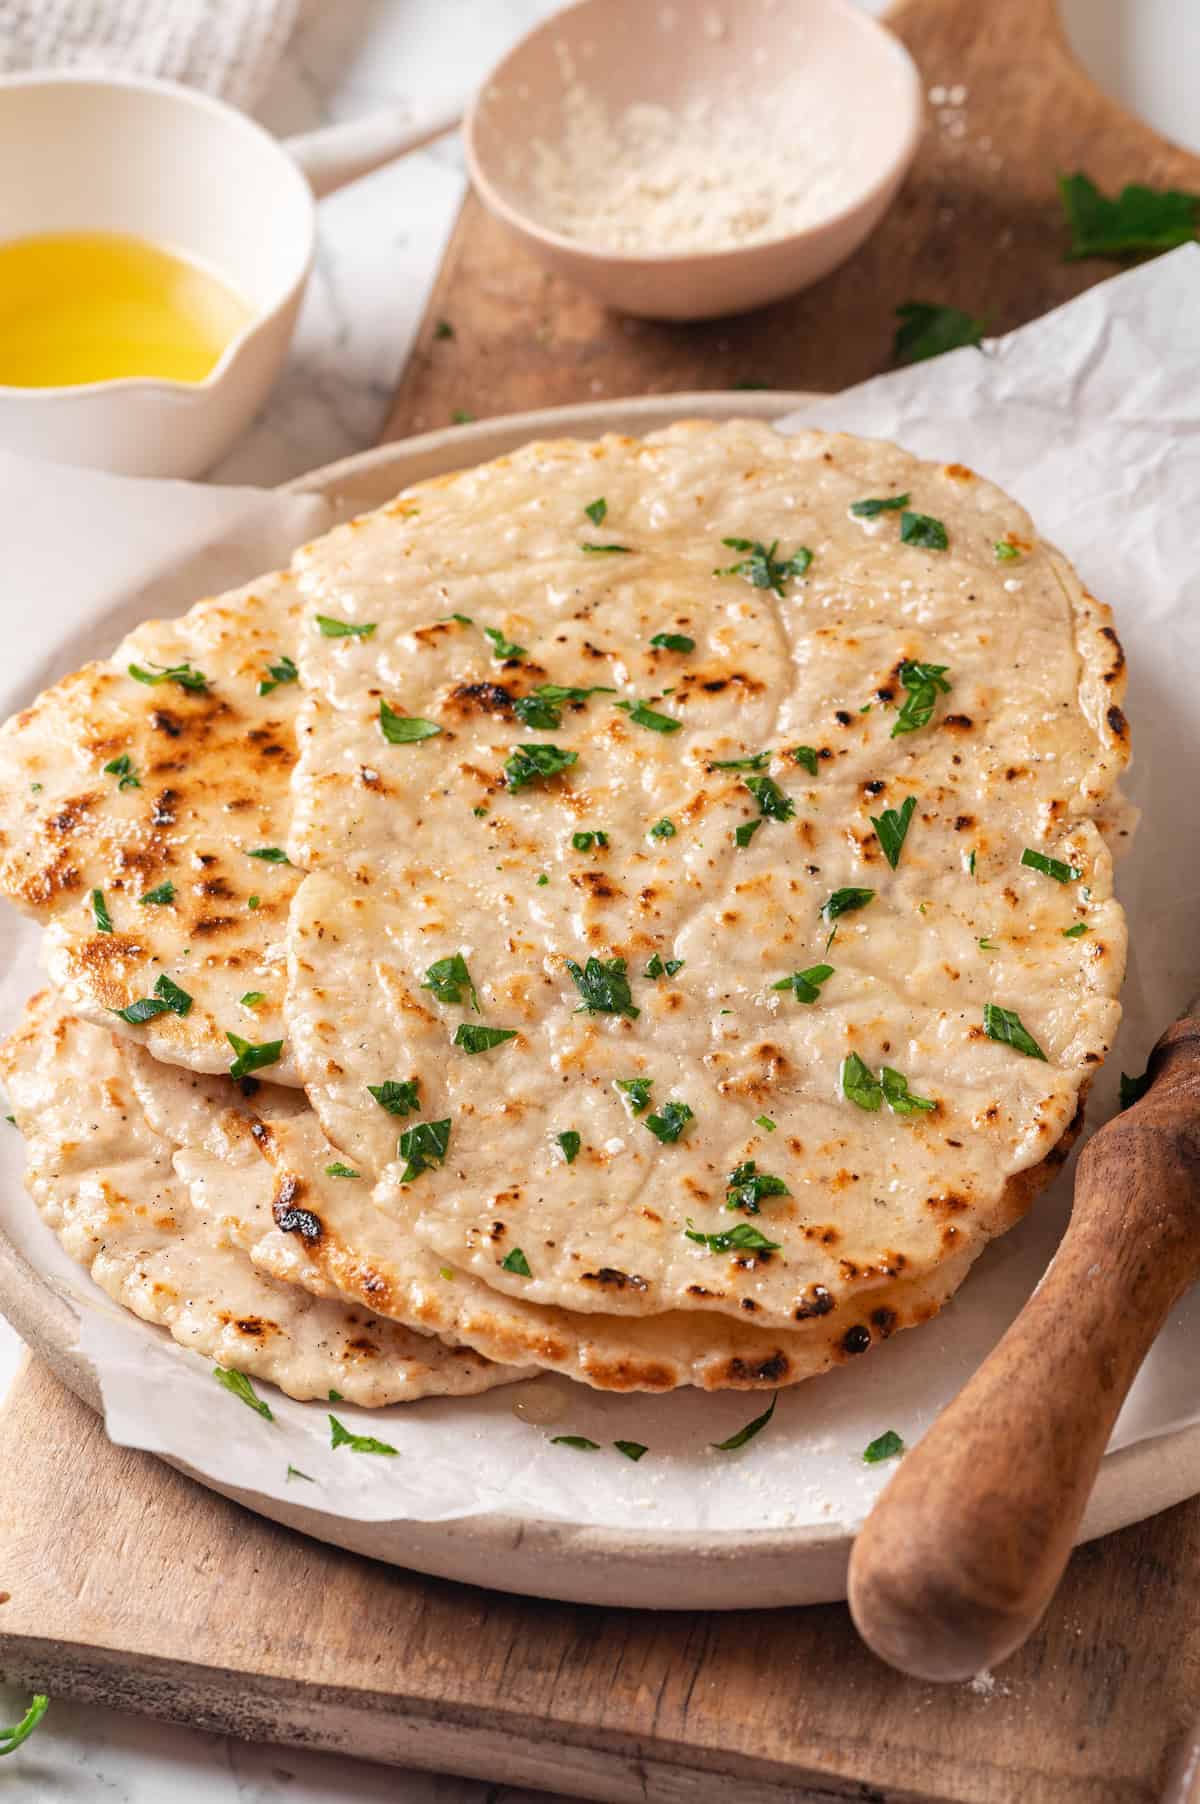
x: 126, y: 1584
x: 978, y: 225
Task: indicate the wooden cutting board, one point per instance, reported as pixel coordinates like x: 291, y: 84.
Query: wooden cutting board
x: 122, y: 1582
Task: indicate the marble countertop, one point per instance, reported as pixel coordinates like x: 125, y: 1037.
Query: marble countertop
x: 380, y: 245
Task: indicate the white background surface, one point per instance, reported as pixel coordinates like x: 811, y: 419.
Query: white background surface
x: 380, y: 246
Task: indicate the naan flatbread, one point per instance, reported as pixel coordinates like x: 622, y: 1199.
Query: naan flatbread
x: 197, y: 782
x: 103, y: 1180
x: 907, y: 617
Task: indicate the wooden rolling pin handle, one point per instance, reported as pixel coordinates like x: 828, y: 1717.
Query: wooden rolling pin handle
x: 965, y: 1548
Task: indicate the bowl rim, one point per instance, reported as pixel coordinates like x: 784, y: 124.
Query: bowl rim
x: 874, y: 30
x: 234, y: 120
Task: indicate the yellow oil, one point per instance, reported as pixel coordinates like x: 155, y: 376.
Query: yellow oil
x: 95, y: 306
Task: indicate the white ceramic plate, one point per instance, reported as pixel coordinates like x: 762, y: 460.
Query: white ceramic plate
x: 637, y: 1564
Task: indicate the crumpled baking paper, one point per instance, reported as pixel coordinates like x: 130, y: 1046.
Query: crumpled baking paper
x: 1091, y: 417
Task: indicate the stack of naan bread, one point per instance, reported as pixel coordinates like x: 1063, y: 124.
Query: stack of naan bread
x: 637, y: 908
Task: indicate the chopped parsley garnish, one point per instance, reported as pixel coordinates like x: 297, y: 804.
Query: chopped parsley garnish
x: 167, y: 997
x: 183, y: 674
x: 240, y: 1385
x: 663, y: 829
x: 662, y: 967
x: 502, y: 647
x: 250, y: 1057
x: 806, y: 985
x: 474, y: 1039
x: 971, y: 863
x: 892, y: 828
x: 642, y: 715
x: 341, y: 1171
x: 536, y: 764
x: 762, y: 569
x: 1050, y: 867
x: 1139, y: 219
x: 253, y: 902
x: 443, y: 329
x: 924, y: 683
x: 1005, y: 553
x: 461, y: 416
x: 927, y: 330
x: 252, y: 998
x: 669, y: 1125
x: 542, y: 880
x: 923, y: 530
x: 450, y: 981
x: 604, y: 987
x: 295, y: 1472
x: 515, y: 1261
x: 765, y: 1123
x: 160, y: 897
x: 344, y: 629
x: 746, y: 1186
x: 752, y: 761
x: 899, y: 1098
x: 270, y: 854
x: 749, y: 1431
x: 986, y: 945
x: 1005, y: 1025
x: 596, y: 510
x: 773, y: 804
x: 742, y: 1239
x: 673, y: 642
x: 745, y: 833
x: 422, y: 1146
x: 568, y: 692
x: 536, y: 711
x: 805, y: 755
x: 885, y: 1446
x: 583, y: 842
x: 403, y: 729
x: 637, y: 1089
x: 587, y: 546
x: 1076, y: 932
x: 283, y: 672
x: 858, y: 1086
x: 122, y: 768
x: 100, y: 912
x: 844, y: 902
x: 570, y: 1143
x: 631, y: 1449
x: 874, y: 505
x: 1133, y: 1088
x: 340, y: 1436
x: 12, y: 1737
x: 397, y: 1098
x: 579, y: 1442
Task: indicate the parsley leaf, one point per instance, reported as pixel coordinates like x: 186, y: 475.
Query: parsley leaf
x: 762, y: 569
x: 397, y: 1098
x: 1050, y: 867
x: 749, y: 1431
x: 122, y: 767
x: 644, y: 716
x: 252, y: 998
x: 536, y: 764
x: 340, y: 1436
x: 443, y: 329
x: 341, y: 1171
x: 1076, y: 932
x: 631, y: 1449
x: 899, y: 1098
x: 601, y: 548
x: 344, y: 629
x: 637, y: 1089
x: 1133, y: 1088
x: 1005, y: 553
x: 250, y: 1057
x: 858, y: 1086
x: 1139, y: 218
x: 583, y: 842
x: 270, y: 854
x: 668, y: 1126
x: 1005, y: 1025
x: 596, y: 510
x: 567, y: 692
x: 570, y: 1143
x: 806, y: 985
x: 422, y: 1146
x: 160, y: 897
x: 100, y: 912
x: 745, y: 833
x: 892, y: 828
x: 240, y: 1385
x: 604, y: 987
x: 925, y: 531
x: 924, y: 683
x: 283, y: 672
x: 773, y: 804
x: 167, y: 997
x: 844, y: 902
x: 805, y: 755
x: 885, y: 1446
x: 536, y: 711
x: 515, y: 1261
x: 450, y: 980
x: 765, y: 1123
x: 183, y: 674
x: 752, y: 761
x: 673, y: 642
x: 502, y: 647
x: 742, y: 1239
x: 663, y: 829
x: 927, y: 330
x: 481, y: 1039
x: 403, y: 729
x: 662, y: 967
x: 746, y: 1186
x: 295, y: 1472
x: 874, y: 505
x: 579, y: 1442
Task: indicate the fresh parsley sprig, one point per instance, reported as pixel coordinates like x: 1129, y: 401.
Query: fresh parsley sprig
x: 762, y: 569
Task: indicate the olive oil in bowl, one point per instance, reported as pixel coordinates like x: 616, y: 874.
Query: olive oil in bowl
x: 82, y: 307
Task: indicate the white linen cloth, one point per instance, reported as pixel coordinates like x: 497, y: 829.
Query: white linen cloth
x: 226, y: 47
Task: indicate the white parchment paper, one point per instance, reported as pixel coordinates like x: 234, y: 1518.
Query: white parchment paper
x: 1092, y: 418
